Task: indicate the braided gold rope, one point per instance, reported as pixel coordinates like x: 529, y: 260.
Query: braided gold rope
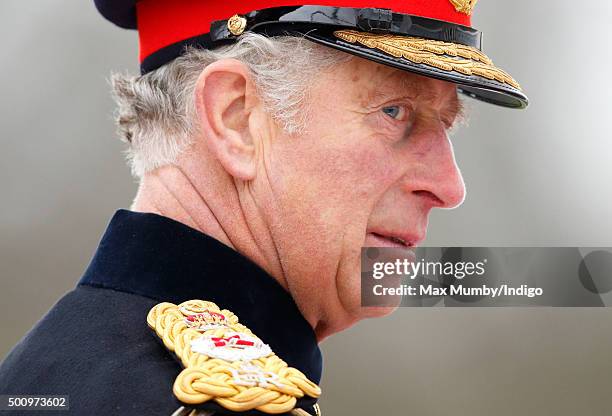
x: 206, y: 378
x: 195, y: 412
x: 442, y: 55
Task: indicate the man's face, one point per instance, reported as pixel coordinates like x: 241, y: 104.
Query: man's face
x: 374, y: 161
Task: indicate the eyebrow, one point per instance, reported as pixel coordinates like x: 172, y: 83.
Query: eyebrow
x: 402, y: 87
x: 456, y: 111
x: 455, y: 107
x: 380, y: 95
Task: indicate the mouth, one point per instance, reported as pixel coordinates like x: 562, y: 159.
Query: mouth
x: 391, y: 239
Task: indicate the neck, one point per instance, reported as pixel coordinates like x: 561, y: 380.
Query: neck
x: 201, y: 195
x: 169, y: 192
x: 172, y: 192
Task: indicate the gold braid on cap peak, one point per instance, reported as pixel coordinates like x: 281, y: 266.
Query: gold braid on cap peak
x: 224, y: 361
x: 446, y: 56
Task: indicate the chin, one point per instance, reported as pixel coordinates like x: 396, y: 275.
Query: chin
x: 359, y: 312
x: 351, y: 313
x: 377, y: 311
x: 353, y: 302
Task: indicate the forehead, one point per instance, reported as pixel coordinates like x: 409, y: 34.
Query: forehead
x: 371, y: 82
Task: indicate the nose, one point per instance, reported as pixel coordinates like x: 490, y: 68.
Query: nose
x: 435, y: 177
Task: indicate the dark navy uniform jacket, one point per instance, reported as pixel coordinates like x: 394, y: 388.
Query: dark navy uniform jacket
x: 95, y: 346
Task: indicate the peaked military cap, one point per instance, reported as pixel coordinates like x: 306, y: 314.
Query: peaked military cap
x: 433, y: 38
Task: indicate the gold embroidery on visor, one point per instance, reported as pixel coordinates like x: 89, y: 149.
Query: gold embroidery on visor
x: 442, y: 55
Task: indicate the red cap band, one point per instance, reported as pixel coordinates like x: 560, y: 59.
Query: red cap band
x: 164, y: 22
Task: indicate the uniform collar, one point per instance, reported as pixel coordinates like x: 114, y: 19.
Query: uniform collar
x: 159, y: 258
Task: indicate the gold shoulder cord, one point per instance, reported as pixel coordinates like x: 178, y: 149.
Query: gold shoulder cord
x: 225, y: 362
x: 183, y: 411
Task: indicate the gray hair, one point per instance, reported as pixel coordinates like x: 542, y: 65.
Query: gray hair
x: 156, y: 111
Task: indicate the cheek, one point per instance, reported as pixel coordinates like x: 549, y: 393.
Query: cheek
x: 330, y: 183
x: 345, y: 166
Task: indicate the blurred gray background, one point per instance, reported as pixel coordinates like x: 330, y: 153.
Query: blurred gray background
x: 535, y: 178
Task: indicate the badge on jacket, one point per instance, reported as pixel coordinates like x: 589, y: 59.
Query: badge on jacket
x: 225, y: 363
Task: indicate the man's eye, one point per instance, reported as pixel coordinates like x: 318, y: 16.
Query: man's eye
x: 394, y: 111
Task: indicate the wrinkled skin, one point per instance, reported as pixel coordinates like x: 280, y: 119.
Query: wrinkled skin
x: 373, y: 162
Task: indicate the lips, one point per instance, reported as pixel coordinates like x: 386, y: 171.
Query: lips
x: 392, y: 239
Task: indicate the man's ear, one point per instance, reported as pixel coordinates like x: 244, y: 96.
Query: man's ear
x: 225, y: 96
